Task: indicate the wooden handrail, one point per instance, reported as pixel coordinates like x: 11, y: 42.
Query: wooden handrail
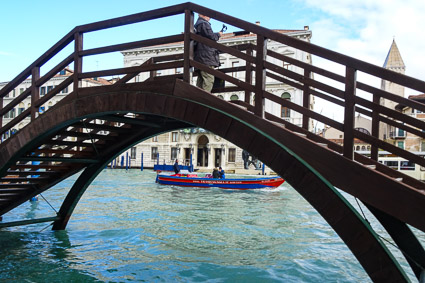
x: 254, y: 61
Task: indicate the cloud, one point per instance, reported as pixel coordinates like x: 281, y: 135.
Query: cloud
x: 365, y: 29
x: 3, y: 53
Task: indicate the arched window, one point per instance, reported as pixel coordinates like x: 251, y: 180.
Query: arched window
x: 220, y: 96
x: 363, y: 147
x: 358, y: 147
x: 285, y: 112
x: 234, y: 97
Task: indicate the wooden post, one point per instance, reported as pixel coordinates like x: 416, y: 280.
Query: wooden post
x: 375, y: 128
x: 349, y: 112
x: 260, y: 75
x: 306, y: 98
x: 248, y: 75
x: 78, y: 60
x: 1, y: 117
x: 35, y: 91
x: 188, y: 44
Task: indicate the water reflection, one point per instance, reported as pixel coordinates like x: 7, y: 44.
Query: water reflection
x: 127, y: 228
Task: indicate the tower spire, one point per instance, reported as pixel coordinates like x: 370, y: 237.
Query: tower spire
x: 394, y: 62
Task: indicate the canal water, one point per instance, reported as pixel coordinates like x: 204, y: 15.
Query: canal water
x: 127, y: 228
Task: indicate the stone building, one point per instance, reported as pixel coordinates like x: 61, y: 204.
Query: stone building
x: 207, y: 149
x: 44, y: 89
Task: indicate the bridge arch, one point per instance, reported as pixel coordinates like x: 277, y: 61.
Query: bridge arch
x: 179, y: 105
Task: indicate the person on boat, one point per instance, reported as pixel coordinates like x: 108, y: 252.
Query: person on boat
x: 221, y: 172
x: 216, y: 174
x: 176, y: 167
x: 205, y: 54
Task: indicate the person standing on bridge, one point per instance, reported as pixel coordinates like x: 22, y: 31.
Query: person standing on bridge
x: 206, y: 54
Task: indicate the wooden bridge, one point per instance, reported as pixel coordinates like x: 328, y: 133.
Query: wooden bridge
x: 41, y: 154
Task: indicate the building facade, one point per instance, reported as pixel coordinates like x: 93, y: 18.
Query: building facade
x: 205, y: 149
x: 44, y: 89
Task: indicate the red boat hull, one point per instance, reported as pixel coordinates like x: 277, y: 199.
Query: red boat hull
x: 234, y: 184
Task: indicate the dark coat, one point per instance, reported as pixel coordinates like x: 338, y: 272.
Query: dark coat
x: 203, y: 53
x: 176, y: 168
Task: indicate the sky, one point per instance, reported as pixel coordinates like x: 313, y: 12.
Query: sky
x: 362, y: 29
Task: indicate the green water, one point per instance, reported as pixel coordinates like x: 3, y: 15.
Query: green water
x: 126, y: 228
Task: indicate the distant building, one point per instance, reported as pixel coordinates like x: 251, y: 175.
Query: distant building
x: 44, y: 89
x: 407, y: 140
x: 395, y: 63
x: 209, y: 150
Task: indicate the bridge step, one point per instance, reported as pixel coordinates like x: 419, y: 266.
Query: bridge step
x: 300, y: 134
x: 13, y: 190
x: 58, y: 159
x: 322, y: 144
x: 371, y: 166
x: 14, y: 185
x: 21, y: 179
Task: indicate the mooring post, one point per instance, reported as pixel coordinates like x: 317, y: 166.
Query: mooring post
x: 141, y: 162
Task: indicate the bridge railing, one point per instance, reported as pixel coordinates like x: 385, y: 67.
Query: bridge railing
x: 259, y: 63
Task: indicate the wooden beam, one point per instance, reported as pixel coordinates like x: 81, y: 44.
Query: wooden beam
x: 28, y: 222
x: 188, y: 44
x: 350, y: 93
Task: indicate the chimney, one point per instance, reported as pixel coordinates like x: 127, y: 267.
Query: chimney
x: 306, y: 27
x: 257, y: 23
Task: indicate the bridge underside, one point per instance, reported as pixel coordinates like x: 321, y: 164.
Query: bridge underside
x: 162, y: 107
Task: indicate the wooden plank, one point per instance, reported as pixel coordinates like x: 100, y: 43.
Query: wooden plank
x: 78, y: 60
x: 59, y: 159
x: 133, y: 45
x: 222, y: 48
x: 15, y: 102
x: 128, y: 70
x: 54, y: 91
x: 306, y: 99
x: 188, y: 44
x: 304, y: 111
x: 28, y: 222
x: 350, y: 93
x: 15, y: 121
x: 220, y: 75
x: 248, y: 74
x: 375, y: 129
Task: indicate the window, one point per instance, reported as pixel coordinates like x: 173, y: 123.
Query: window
x: 174, y: 136
x: 21, y: 108
x: 234, y: 97
x: 11, y: 114
x: 220, y: 96
x: 179, y: 70
x: 154, y: 153
x: 407, y: 165
x: 42, y: 91
x: 63, y: 72
x: 285, y: 112
x: 21, y: 90
x: 155, y: 139
x: 400, y: 144
x: 422, y: 145
x: 49, y: 88
x: 174, y: 152
x: 133, y: 152
x: 65, y: 90
x: 392, y: 164
x: 232, y: 154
